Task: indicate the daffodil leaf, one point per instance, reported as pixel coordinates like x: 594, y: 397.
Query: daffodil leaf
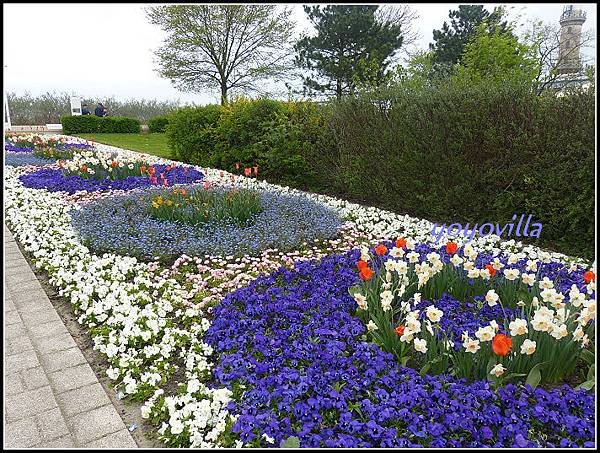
x: 588, y: 356
x: 587, y: 385
x: 291, y: 442
x: 535, y: 375
x: 354, y: 289
x: 591, y: 373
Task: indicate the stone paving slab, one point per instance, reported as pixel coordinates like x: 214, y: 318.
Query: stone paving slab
x: 53, y: 399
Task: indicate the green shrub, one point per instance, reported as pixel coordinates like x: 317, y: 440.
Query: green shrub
x: 473, y: 154
x: 85, y: 124
x: 277, y: 136
x: 448, y: 153
x: 191, y: 133
x: 158, y: 124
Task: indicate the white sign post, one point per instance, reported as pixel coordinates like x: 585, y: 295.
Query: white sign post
x: 75, y: 105
x: 7, y: 124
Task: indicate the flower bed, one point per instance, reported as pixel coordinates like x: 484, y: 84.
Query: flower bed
x: 285, y: 222
x: 55, y: 180
x: 291, y: 349
x: 230, y: 350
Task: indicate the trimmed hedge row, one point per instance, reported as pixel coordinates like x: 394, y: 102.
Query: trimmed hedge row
x: 470, y: 154
x: 449, y: 154
x: 158, y: 124
x: 91, y: 124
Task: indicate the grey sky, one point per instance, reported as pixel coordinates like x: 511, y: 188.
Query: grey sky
x: 99, y: 50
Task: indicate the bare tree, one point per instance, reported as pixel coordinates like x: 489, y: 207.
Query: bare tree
x: 230, y: 47
x: 545, y: 40
x: 401, y: 15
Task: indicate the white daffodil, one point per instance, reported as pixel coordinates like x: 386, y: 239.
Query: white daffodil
x: 434, y: 314
x: 498, y: 370
x: 492, y: 298
x: 420, y: 345
x: 518, y: 327
x: 528, y: 347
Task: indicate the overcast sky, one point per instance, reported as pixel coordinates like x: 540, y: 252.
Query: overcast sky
x: 100, y: 50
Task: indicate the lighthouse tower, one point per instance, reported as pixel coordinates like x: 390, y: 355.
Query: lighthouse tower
x: 569, y: 56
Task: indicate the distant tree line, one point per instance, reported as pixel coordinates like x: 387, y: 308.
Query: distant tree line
x: 28, y: 109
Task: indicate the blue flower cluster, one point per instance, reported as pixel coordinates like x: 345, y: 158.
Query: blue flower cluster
x: 124, y: 225
x: 17, y: 159
x: 55, y: 180
x: 11, y: 147
x: 292, y: 352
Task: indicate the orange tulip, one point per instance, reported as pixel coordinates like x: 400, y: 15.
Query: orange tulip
x: 401, y: 243
x: 399, y: 330
x: 451, y: 248
x: 501, y: 344
x: 366, y: 274
x: 361, y: 264
x: 589, y: 276
x: 381, y: 250
x: 490, y: 269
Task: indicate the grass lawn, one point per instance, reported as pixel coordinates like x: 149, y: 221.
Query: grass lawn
x: 151, y: 143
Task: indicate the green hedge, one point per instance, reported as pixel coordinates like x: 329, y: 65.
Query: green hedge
x: 277, y: 136
x: 158, y: 124
x: 85, y: 124
x: 449, y: 154
x: 470, y: 154
x: 191, y: 133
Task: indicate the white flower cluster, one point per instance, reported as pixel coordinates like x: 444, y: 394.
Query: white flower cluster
x: 99, y: 159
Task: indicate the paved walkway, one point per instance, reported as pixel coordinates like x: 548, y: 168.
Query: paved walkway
x: 53, y: 398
